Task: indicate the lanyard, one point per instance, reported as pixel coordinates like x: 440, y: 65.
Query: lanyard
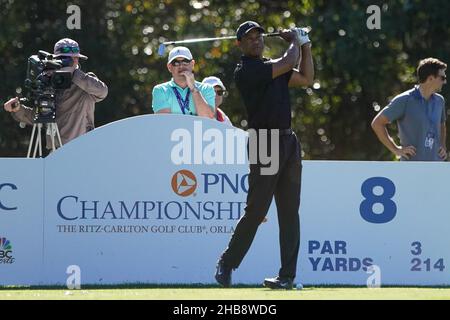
x: 184, y: 104
x: 430, y: 114
x: 430, y: 110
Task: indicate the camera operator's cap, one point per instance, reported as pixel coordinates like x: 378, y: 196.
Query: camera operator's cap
x: 214, y: 81
x: 69, y: 48
x: 180, y: 52
x: 246, y: 27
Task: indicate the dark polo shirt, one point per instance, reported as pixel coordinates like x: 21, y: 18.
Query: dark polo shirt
x: 266, y: 100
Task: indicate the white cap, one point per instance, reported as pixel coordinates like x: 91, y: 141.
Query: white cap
x: 214, y: 81
x: 180, y: 52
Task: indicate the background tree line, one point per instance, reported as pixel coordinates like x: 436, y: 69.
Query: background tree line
x: 357, y: 70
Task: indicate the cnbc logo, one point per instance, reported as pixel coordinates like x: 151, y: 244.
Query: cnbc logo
x: 5, y: 251
x: 184, y: 183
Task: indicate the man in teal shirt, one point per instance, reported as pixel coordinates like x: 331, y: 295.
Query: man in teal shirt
x: 182, y: 94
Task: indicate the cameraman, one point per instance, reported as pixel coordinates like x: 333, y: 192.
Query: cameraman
x: 74, y: 106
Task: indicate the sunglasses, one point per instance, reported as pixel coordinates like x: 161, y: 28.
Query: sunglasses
x: 184, y: 62
x: 222, y: 93
x: 69, y: 49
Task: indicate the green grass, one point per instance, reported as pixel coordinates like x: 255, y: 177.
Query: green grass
x: 211, y: 293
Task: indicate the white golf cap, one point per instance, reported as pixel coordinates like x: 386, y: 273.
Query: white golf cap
x: 214, y: 81
x: 180, y: 52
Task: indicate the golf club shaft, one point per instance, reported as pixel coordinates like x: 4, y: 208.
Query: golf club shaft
x: 214, y: 39
x: 162, y: 46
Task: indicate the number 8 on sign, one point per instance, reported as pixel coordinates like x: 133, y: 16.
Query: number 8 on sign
x: 385, y: 199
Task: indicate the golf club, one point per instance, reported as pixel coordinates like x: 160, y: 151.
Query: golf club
x: 162, y: 46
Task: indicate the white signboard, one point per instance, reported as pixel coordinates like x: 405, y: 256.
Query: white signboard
x: 153, y: 199
x: 21, y: 221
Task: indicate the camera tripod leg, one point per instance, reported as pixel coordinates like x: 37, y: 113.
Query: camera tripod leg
x: 52, y: 136
x: 58, y: 135
x: 40, y: 140
x: 38, y: 143
x: 36, y: 138
x: 31, y: 140
x: 53, y: 130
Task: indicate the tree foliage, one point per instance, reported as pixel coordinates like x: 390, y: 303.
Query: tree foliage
x: 357, y: 70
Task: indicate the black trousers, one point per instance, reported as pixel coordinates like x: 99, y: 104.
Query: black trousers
x: 285, y: 186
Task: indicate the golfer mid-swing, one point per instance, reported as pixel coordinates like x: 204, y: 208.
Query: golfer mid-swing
x: 263, y: 85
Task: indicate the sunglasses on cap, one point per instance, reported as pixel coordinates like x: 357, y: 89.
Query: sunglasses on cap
x: 69, y: 49
x: 222, y: 93
x: 177, y: 63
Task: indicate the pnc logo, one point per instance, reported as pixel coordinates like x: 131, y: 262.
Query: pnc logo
x: 184, y: 183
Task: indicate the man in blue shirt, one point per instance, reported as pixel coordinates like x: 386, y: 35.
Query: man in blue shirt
x: 420, y: 114
x: 182, y: 94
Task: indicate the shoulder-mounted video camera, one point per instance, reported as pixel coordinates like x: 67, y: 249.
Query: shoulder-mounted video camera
x: 43, y: 79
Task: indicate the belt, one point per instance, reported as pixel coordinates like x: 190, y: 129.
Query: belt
x: 280, y: 132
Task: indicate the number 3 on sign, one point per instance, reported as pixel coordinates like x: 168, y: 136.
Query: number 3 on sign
x: 385, y: 199
x: 417, y: 248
